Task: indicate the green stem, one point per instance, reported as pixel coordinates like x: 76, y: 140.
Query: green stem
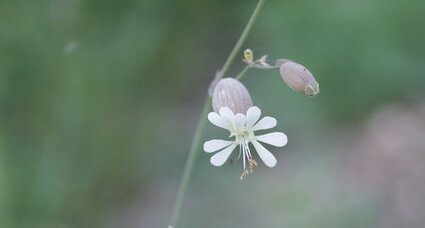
x: 243, y: 72
x: 242, y: 38
x: 187, y: 173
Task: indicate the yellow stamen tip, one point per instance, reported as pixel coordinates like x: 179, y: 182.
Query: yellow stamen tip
x: 244, y: 174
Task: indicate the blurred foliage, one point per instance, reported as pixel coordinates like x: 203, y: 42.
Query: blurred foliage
x: 98, y: 98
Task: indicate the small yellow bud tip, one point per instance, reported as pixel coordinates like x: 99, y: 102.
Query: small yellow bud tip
x: 310, y: 91
x: 248, y: 56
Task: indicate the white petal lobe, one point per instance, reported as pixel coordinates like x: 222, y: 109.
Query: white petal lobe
x: 226, y: 112
x: 240, y: 121
x: 265, y: 123
x: 264, y: 154
x: 276, y: 139
x: 216, y: 144
x: 218, y: 121
x: 221, y: 157
x: 252, y: 116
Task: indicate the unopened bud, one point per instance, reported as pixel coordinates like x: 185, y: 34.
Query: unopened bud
x: 280, y: 62
x: 297, y: 77
x: 248, y: 56
x: 230, y: 93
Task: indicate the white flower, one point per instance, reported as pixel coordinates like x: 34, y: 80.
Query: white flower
x: 242, y: 128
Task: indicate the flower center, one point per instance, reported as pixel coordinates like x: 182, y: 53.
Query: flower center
x: 243, y: 138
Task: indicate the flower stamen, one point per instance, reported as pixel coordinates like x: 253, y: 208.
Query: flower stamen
x: 252, y: 164
x: 244, y: 174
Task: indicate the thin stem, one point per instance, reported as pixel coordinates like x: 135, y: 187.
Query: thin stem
x: 242, y: 38
x: 243, y: 72
x: 187, y: 173
x: 248, y: 67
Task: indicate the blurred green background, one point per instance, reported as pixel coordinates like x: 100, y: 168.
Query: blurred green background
x: 99, y: 101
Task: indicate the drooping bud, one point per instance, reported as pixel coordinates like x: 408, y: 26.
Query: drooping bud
x: 230, y: 93
x: 280, y: 62
x: 297, y: 77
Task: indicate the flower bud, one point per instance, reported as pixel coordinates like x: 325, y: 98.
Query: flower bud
x: 248, y: 56
x: 297, y: 77
x: 230, y: 93
x: 280, y: 62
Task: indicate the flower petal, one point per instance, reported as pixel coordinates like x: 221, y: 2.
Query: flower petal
x: 226, y: 112
x: 216, y: 144
x: 265, y: 123
x: 221, y: 157
x: 240, y: 121
x: 264, y: 154
x: 219, y: 121
x: 252, y: 116
x: 276, y: 139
